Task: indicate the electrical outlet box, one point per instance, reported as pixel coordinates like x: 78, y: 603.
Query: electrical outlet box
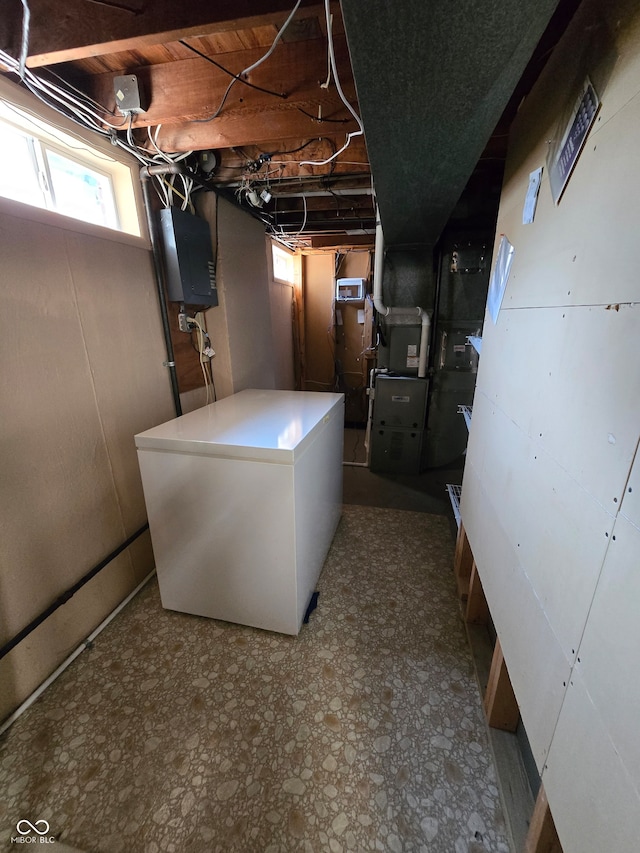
x: 189, y: 263
x: 183, y: 323
x: 129, y: 97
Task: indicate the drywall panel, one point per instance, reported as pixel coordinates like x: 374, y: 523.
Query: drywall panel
x: 216, y: 318
x: 319, y: 341
x: 282, y: 303
x: 126, y: 354
x: 580, y: 262
x: 570, y: 378
x: 563, y: 273
x: 57, y: 502
x: 34, y: 659
x: 554, y: 434
x: 630, y: 507
x: 283, y: 312
x: 242, y: 268
x: 607, y: 655
x: 558, y: 531
x: 355, y: 263
x: 538, y: 669
x: 82, y: 353
x: 594, y: 803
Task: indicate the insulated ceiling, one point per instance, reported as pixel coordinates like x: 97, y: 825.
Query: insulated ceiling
x: 433, y: 79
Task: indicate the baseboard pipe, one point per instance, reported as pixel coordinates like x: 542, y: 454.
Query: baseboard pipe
x: 69, y: 660
x: 69, y: 593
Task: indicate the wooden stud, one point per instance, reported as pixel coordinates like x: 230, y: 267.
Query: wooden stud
x: 500, y: 703
x: 462, y: 563
x: 542, y: 836
x: 477, y: 612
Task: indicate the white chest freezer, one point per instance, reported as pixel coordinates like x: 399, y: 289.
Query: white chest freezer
x: 243, y: 498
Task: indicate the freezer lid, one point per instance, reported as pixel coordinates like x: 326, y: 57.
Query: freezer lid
x: 265, y: 425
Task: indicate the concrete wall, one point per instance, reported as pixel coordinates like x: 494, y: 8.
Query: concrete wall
x: 550, y: 494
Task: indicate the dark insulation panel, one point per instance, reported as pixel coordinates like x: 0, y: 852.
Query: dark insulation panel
x: 433, y: 79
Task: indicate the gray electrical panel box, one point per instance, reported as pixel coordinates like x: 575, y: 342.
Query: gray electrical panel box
x: 188, y: 258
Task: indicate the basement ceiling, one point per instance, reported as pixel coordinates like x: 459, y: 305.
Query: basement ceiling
x: 432, y: 81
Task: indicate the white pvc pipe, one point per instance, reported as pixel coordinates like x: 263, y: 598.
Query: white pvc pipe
x: 65, y: 663
x: 381, y: 308
x: 424, y: 345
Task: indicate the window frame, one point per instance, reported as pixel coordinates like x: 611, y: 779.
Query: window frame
x: 25, y: 114
x: 291, y: 261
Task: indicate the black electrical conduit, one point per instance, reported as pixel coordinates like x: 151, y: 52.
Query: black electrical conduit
x: 62, y: 599
x: 147, y: 172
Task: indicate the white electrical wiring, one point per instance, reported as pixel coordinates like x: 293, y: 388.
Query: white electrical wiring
x: 202, y: 334
x: 275, y: 42
x: 254, y: 66
x: 325, y: 85
x: 68, y: 105
x: 24, y: 46
x: 350, y: 136
x: 72, y: 103
x: 304, y: 221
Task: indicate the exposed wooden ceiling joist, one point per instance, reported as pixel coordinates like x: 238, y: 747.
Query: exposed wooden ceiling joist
x: 75, y: 29
x: 350, y: 169
x: 341, y: 241
x: 403, y: 55
x: 193, y: 89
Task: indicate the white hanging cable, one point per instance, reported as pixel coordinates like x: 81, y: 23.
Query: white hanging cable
x: 275, y: 42
x: 252, y: 67
x: 24, y: 47
x: 332, y: 56
x: 325, y: 85
x: 304, y: 221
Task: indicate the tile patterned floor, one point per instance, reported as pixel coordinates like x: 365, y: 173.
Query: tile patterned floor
x: 176, y: 733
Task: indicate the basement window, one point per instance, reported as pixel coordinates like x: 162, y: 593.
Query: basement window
x: 284, y: 265
x: 48, y: 168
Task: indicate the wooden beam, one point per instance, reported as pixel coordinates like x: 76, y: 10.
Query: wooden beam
x: 82, y: 28
x: 500, y: 703
x: 359, y: 205
x: 341, y: 241
x: 477, y: 612
x: 185, y: 94
x: 542, y: 836
x: 283, y: 170
x: 462, y: 563
x: 239, y: 129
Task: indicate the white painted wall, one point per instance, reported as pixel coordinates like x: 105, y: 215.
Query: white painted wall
x: 555, y: 429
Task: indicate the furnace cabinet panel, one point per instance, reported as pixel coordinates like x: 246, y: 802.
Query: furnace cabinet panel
x: 243, y: 498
